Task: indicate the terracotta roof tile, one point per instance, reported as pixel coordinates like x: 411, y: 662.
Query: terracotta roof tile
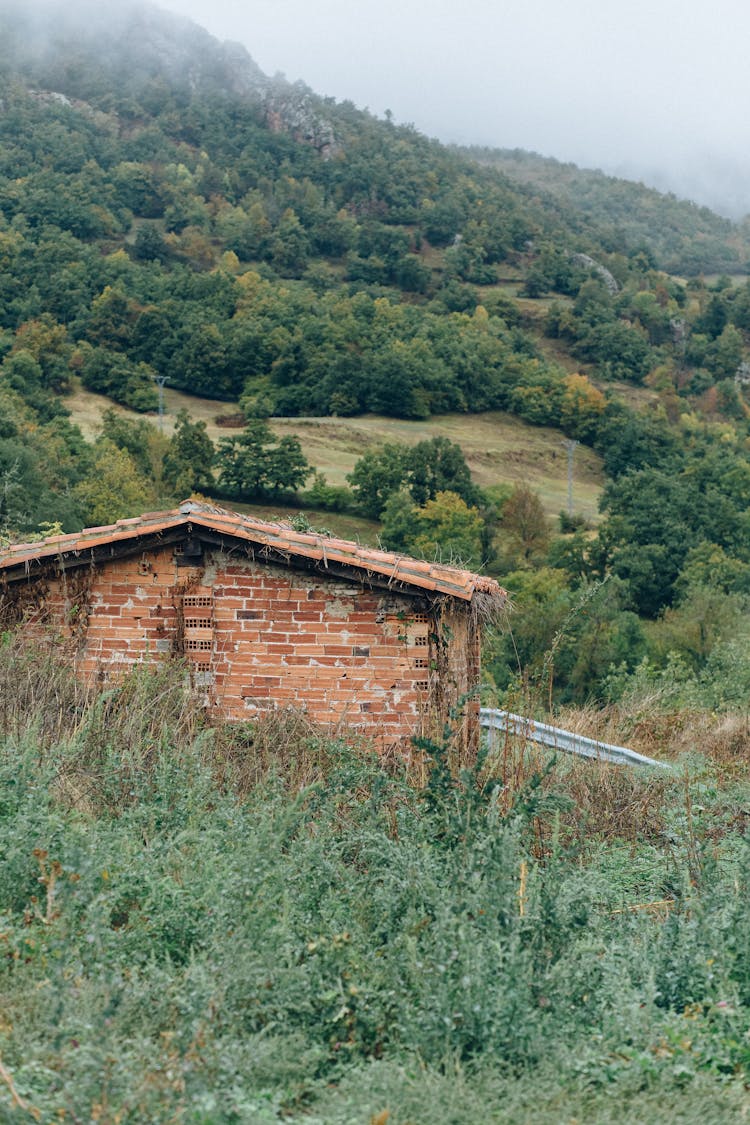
x: 23, y: 557
x: 398, y: 569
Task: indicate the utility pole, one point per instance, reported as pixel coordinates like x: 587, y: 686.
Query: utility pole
x: 570, y: 445
x: 160, y: 380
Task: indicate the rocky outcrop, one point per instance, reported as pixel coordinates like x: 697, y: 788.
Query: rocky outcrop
x: 140, y: 45
x: 291, y: 109
x: 602, y: 271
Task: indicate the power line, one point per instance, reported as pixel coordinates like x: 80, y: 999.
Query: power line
x: 570, y: 445
x: 160, y: 380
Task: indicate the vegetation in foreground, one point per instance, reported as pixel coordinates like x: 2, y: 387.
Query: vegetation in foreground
x: 210, y: 925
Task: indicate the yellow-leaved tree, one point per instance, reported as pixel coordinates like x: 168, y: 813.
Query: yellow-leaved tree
x: 581, y: 407
x: 450, y: 530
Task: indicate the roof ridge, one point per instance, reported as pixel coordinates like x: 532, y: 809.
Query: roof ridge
x: 397, y: 568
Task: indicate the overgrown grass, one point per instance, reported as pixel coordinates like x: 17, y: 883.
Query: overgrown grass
x: 258, y: 924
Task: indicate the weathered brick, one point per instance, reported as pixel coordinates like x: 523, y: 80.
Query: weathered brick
x: 276, y: 636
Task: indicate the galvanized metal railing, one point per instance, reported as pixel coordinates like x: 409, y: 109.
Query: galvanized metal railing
x: 564, y: 740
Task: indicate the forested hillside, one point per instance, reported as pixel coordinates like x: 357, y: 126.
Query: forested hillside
x: 169, y: 213
x: 685, y: 237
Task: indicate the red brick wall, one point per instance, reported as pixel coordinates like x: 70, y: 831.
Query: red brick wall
x: 260, y: 636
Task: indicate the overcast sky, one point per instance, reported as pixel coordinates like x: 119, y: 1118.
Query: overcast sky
x: 655, y: 89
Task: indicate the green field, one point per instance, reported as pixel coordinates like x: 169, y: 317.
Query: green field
x: 499, y: 448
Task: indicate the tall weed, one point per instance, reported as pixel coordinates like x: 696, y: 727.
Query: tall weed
x: 224, y: 928
x: 39, y: 693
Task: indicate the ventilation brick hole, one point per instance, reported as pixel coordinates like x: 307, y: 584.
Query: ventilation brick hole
x: 203, y: 665
x: 422, y: 685
x: 421, y: 641
x: 420, y: 619
x: 197, y: 601
x: 421, y: 662
x: 197, y: 623
x: 198, y: 646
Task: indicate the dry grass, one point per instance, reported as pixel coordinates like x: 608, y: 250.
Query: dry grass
x: 38, y: 693
x: 285, y: 744
x: 498, y: 449
x: 614, y: 802
x: 594, y: 800
x: 116, y: 739
x: 723, y: 740
x: 648, y: 732
x: 591, y: 798
x: 511, y: 766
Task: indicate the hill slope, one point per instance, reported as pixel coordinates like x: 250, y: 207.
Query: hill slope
x: 683, y: 237
x: 178, y: 214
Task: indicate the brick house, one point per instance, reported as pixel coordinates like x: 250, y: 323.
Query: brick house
x: 264, y: 616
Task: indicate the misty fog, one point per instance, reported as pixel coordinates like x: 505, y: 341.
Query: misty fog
x: 656, y: 92
x: 652, y: 91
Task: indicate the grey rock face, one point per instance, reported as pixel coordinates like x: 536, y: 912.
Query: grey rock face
x: 139, y: 43
x: 602, y: 271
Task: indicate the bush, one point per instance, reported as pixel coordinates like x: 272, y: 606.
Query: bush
x: 327, y: 497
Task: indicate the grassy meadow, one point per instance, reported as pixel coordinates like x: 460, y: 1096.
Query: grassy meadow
x: 265, y: 923
x: 499, y: 448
